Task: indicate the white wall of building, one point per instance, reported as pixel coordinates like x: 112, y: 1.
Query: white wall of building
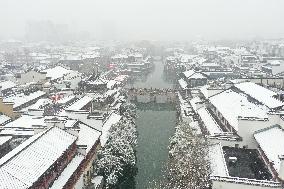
x: 265, y: 81
x: 224, y: 142
x: 235, y: 185
x: 31, y: 76
x: 247, y: 127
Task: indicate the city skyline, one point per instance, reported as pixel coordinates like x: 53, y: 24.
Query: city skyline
x: 149, y: 20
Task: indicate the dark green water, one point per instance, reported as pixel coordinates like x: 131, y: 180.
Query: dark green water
x: 155, y: 128
x: 155, y: 124
x: 155, y: 79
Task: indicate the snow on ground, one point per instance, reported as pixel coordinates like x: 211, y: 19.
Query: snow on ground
x: 186, y: 109
x: 113, y: 119
x: 217, y: 161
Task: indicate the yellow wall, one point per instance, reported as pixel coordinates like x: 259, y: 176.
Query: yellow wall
x: 7, y: 109
x: 89, y: 168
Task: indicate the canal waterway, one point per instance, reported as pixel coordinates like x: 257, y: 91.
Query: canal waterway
x: 155, y: 125
x: 155, y: 79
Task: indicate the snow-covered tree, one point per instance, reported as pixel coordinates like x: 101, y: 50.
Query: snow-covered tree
x: 188, y: 164
x: 128, y: 110
x: 118, y: 156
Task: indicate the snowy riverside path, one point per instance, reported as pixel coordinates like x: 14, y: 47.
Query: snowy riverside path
x: 154, y: 128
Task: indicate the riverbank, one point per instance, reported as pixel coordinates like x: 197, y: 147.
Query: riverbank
x: 155, y: 125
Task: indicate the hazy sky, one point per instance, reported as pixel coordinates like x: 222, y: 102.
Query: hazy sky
x: 150, y: 19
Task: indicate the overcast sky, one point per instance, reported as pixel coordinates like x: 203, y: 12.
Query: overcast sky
x: 150, y: 19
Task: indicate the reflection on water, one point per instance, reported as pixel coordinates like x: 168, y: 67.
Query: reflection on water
x: 155, y: 79
x: 155, y: 125
x: 155, y: 129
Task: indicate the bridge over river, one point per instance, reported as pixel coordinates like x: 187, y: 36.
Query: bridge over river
x: 156, y: 121
x: 152, y: 95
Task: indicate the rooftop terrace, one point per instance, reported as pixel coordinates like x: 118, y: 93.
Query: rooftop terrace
x: 248, y: 164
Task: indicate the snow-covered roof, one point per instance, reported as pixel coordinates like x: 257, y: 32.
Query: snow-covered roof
x: 119, y: 56
x: 17, y: 132
x: 88, y: 136
x: 39, y: 104
x: 67, y: 172
x: 21, y: 99
x: 92, y: 55
x: 271, y: 141
x: 210, y: 65
x: 204, y: 91
x: 193, y: 75
x: 4, y: 85
x: 65, y: 99
x: 210, y: 124
x: 112, y: 119
x: 186, y: 57
x: 217, y: 161
x: 188, y: 73
x: 109, y: 93
x: 98, y: 81
x: 182, y: 83
x: 94, y: 123
x: 4, y: 139
x: 111, y: 83
x: 26, y: 122
x: 78, y: 105
x: 70, y: 123
x: 56, y: 72
x: 121, y: 78
x: 3, y: 119
x: 136, y: 55
x: 261, y: 94
x: 194, y: 101
x: 197, y: 76
x: 24, y: 165
x: 233, y: 105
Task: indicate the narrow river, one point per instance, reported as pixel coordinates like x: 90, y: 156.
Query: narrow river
x: 155, y: 127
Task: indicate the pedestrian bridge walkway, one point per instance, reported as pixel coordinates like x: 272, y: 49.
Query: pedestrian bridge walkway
x: 146, y: 95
